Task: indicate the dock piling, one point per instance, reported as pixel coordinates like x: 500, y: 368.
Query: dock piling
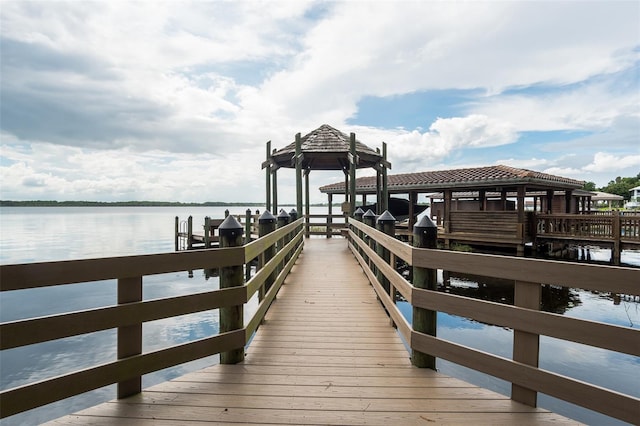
x: 425, y: 235
x: 266, y: 225
x: 369, y: 218
x: 231, y: 317
x: 386, y: 223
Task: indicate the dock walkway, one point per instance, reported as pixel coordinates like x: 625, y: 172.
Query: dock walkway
x: 326, y: 354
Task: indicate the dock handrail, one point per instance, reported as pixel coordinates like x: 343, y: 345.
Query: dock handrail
x: 528, y: 323
x: 131, y: 312
x: 613, y: 226
x: 325, y: 224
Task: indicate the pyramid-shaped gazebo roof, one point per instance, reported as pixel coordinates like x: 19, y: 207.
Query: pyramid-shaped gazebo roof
x: 326, y: 148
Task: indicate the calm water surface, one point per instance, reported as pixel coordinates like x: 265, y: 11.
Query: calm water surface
x: 60, y: 233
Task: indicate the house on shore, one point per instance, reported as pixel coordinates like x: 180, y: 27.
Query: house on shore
x: 634, y: 201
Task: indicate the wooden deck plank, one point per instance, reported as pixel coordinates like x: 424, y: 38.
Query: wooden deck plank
x: 326, y: 354
x: 316, y: 417
x: 332, y: 404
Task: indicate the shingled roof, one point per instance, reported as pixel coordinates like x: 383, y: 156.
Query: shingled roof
x: 462, y: 179
x: 326, y: 148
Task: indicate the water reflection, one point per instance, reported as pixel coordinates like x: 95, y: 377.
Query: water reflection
x: 553, y: 299
x: 42, y: 234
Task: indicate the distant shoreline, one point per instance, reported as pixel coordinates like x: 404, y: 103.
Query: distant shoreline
x: 47, y: 203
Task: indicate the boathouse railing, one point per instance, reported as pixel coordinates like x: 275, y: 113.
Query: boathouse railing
x: 612, y: 226
x: 371, y: 246
x: 277, y: 252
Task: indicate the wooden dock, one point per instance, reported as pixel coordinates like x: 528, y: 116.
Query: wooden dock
x: 326, y: 354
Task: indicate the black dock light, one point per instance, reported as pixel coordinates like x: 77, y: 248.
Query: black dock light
x: 357, y: 215
x: 230, y: 231
x: 266, y: 217
x: 385, y: 219
x: 294, y: 215
x: 425, y: 233
x: 369, y: 218
x: 283, y: 218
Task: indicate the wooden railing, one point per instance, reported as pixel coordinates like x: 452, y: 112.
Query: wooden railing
x: 494, y: 222
x: 613, y: 226
x: 323, y: 224
x: 186, y: 239
x: 131, y: 312
x: 524, y: 317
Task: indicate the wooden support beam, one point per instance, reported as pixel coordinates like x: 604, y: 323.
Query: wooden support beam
x: 306, y: 205
x: 129, y: 337
x: 526, y: 346
x: 385, y: 188
x: 268, y: 174
x: 352, y: 174
x: 298, y: 160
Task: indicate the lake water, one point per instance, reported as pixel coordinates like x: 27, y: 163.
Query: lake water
x: 61, y: 233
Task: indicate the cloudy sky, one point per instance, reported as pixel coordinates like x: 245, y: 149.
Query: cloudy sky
x: 174, y: 101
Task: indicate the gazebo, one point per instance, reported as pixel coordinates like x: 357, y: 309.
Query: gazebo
x: 325, y: 148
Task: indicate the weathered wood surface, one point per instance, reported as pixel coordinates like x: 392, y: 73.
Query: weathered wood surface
x: 326, y: 354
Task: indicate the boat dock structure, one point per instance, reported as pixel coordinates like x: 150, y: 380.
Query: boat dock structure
x: 325, y: 341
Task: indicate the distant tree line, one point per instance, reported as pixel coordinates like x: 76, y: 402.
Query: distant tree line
x: 49, y: 203
x: 619, y: 186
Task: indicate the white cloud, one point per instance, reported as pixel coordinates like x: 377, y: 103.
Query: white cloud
x: 605, y: 162
x: 593, y: 105
x: 526, y: 163
x: 168, y: 99
x: 46, y: 171
x: 448, y: 134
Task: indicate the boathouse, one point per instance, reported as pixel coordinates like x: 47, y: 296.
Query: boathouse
x: 483, y: 205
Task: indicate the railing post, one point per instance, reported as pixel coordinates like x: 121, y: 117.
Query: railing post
x: 283, y: 220
x: 190, y: 233
x: 247, y: 240
x: 526, y: 346
x: 129, y: 337
x: 293, y: 216
x: 616, y: 234
x: 369, y: 219
x: 425, y: 235
x: 266, y: 225
x: 386, y: 223
x: 231, y: 317
x: 207, y: 231
x: 177, y: 233
x: 357, y: 215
